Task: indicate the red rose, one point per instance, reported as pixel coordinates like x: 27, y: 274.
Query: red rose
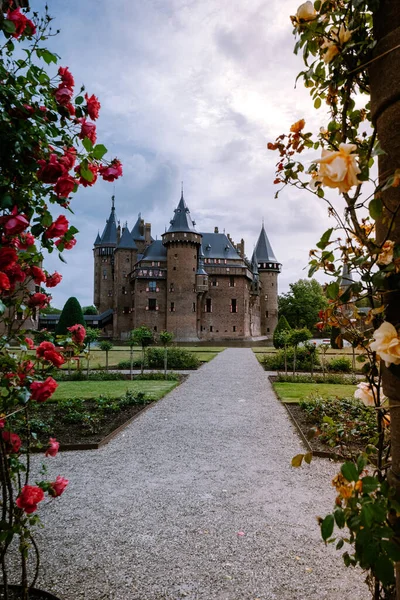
x: 15, y: 274
x: 25, y: 241
x: 66, y: 77
x: 54, y: 357
x: 12, y: 442
x: 69, y: 158
x: 88, y: 130
x: 2, y: 423
x: 93, y: 106
x: 30, y: 343
x: 50, y: 171
x: 64, y: 186
x: 52, y: 448
x: 71, y: 109
x: 93, y: 168
x: 21, y: 23
x: 44, y: 347
x: 42, y: 390
x: 14, y: 223
x: 8, y: 257
x: 38, y: 275
x: 78, y: 333
x: 63, y: 96
x: 58, y: 227
x: 112, y: 172
x: 38, y: 300
x: 4, y: 282
x: 53, y: 280
x: 58, y: 486
x: 29, y: 498
x: 68, y: 245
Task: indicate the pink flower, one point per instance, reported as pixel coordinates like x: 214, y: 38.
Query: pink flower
x: 14, y: 223
x: 68, y: 245
x: 88, y: 130
x: 78, y: 333
x: 112, y: 172
x: 30, y: 343
x: 21, y: 23
x: 52, y: 448
x: 42, y: 390
x: 53, y: 280
x: 25, y: 241
x: 66, y: 77
x: 12, y: 442
x: 93, y: 106
x: 63, y: 96
x: 58, y: 486
x: 29, y: 498
x: 58, y: 228
x: 69, y: 158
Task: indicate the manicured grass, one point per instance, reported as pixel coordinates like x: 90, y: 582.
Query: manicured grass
x: 294, y: 392
x: 92, y: 389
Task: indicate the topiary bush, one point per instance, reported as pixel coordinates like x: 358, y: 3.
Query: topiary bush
x: 282, y: 326
x: 178, y: 358
x: 276, y: 362
x: 71, y: 315
x: 341, y: 365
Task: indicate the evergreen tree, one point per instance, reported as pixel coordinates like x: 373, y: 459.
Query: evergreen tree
x: 71, y: 315
x: 283, y: 325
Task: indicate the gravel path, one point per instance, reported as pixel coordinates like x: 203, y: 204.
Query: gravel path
x: 160, y: 512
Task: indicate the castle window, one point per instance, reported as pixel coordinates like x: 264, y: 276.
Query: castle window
x: 152, y: 264
x: 175, y: 256
x: 194, y: 307
x: 124, y: 290
x: 233, y: 305
x: 267, y: 329
x: 234, y: 328
x: 185, y: 235
x: 155, y: 328
x: 171, y: 287
x: 266, y: 296
x: 172, y: 307
x: 214, y: 282
x: 211, y: 328
x: 231, y: 281
x: 152, y: 286
x: 110, y: 292
x: 37, y: 288
x: 266, y: 314
x: 272, y: 285
x: 105, y: 274
x: 127, y: 259
x: 152, y: 304
x: 126, y: 310
x: 174, y: 268
x: 208, y: 306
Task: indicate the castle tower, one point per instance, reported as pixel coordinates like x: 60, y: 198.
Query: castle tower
x: 268, y: 269
x: 182, y: 243
x: 103, y: 251
x: 125, y: 257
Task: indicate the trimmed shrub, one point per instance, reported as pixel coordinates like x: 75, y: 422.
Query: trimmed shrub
x: 330, y: 378
x: 341, y: 364
x: 82, y: 376
x: 178, y: 358
x: 283, y: 325
x: 276, y: 362
x: 71, y: 315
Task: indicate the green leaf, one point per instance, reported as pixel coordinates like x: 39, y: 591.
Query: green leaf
x: 297, y: 460
x: 340, y: 518
x: 375, y: 208
x: 392, y: 549
x: 60, y: 255
x: 86, y: 173
x: 6, y: 201
x: 320, y: 193
x: 332, y: 290
x: 369, y: 484
x: 317, y: 103
x: 384, y: 570
x: 367, y: 515
x: 325, y: 239
x: 349, y: 471
x: 339, y: 545
x: 72, y: 230
x: 79, y: 100
x: 99, y: 151
x: 308, y: 457
x: 47, y: 56
x: 327, y: 526
x: 9, y: 26
x: 87, y: 144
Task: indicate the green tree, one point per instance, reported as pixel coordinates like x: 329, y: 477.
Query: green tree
x: 166, y: 338
x: 283, y: 325
x: 92, y: 335
x: 71, y: 315
x: 298, y: 336
x: 106, y: 346
x: 302, y: 303
x: 89, y: 310
x: 50, y: 310
x: 142, y: 336
x: 283, y: 339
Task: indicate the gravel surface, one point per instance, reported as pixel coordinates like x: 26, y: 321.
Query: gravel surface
x: 197, y: 500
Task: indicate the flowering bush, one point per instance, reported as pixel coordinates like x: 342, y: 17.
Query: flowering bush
x: 346, y: 68
x: 47, y: 151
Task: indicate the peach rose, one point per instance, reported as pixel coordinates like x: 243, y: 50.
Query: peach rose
x: 338, y: 169
x: 365, y: 394
x: 306, y: 12
x: 387, y: 344
x: 332, y: 47
x: 386, y: 255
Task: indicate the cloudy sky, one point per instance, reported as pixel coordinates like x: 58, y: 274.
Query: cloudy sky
x: 190, y: 90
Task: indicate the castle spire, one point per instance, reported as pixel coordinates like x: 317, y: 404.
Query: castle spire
x: 182, y: 221
x: 110, y: 230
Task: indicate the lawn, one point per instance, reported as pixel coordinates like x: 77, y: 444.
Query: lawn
x: 92, y: 389
x: 294, y: 392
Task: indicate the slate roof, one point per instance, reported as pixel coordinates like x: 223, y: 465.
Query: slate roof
x: 217, y: 245
x: 126, y: 240
x: 97, y: 241
x: 182, y: 221
x: 347, y: 278
x: 156, y: 251
x: 136, y: 235
x: 254, y: 263
x: 110, y: 230
x: 263, y: 248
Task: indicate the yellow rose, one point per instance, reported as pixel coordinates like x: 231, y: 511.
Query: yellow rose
x: 386, y: 255
x: 306, y: 12
x: 332, y: 47
x: 387, y: 344
x: 338, y: 169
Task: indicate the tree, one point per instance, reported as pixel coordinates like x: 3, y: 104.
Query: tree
x: 302, y: 303
x: 106, y: 346
x: 50, y: 310
x: 283, y: 325
x: 166, y: 338
x: 142, y: 336
x: 92, y: 335
x: 89, y: 310
x: 298, y: 336
x: 70, y: 315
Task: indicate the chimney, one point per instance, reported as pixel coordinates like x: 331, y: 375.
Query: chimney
x: 147, y: 233
x: 216, y: 230
x: 118, y: 232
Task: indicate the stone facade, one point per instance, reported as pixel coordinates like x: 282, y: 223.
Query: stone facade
x: 200, y: 286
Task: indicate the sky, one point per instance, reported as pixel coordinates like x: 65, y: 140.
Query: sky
x: 190, y: 91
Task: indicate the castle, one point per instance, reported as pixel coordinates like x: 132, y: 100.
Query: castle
x: 200, y: 286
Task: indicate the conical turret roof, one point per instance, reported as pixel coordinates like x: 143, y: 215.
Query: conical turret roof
x: 136, y: 231
x: 263, y: 248
x: 182, y: 221
x: 97, y: 241
x: 126, y: 242
x: 110, y: 230
x: 254, y: 262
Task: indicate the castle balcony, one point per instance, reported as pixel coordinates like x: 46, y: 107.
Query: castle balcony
x: 148, y: 273
x: 200, y: 288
